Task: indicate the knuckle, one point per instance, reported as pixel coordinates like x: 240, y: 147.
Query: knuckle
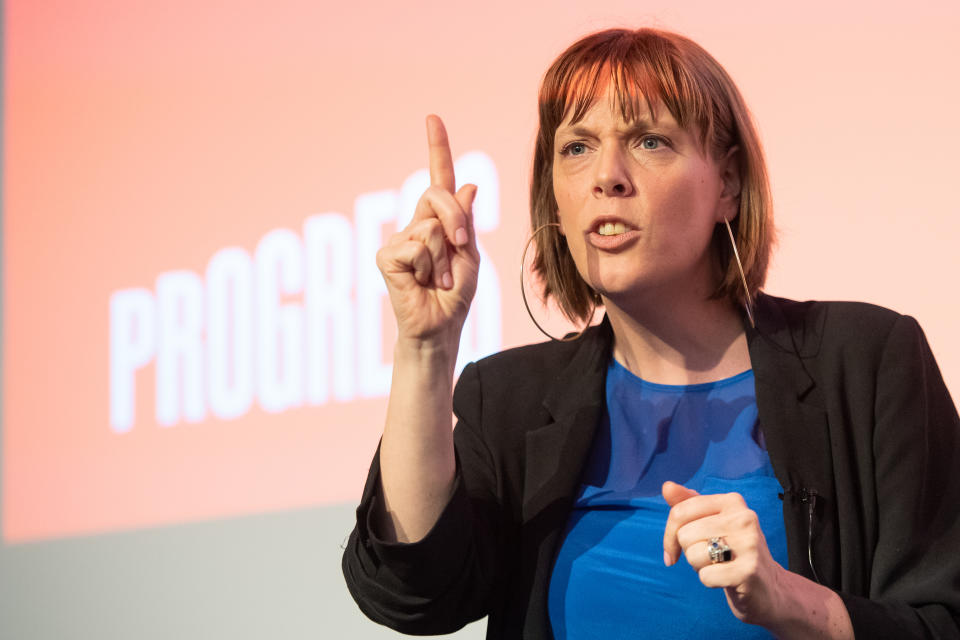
x: 737, y: 499
x: 419, y: 252
x: 747, y: 518
x: 704, y: 576
x: 434, y: 193
x: 669, y: 531
x: 433, y: 229
x: 678, y: 513
x: 413, y: 256
x: 426, y: 205
x: 416, y: 228
x: 386, y: 254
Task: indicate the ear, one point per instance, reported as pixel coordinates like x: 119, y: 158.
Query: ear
x: 728, y: 205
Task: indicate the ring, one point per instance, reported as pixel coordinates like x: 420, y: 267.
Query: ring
x: 719, y: 550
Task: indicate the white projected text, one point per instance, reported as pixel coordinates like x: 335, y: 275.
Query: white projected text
x: 297, y: 322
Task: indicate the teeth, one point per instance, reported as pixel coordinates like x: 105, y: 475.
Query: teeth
x: 612, y: 228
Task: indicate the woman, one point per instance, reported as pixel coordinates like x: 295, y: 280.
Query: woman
x: 581, y: 472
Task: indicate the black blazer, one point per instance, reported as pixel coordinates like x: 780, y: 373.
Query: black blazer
x: 860, y: 429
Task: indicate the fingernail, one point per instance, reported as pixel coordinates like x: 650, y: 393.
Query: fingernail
x: 666, y: 559
x: 461, y: 236
x: 447, y: 280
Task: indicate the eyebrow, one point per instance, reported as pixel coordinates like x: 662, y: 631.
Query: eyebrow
x: 637, y: 126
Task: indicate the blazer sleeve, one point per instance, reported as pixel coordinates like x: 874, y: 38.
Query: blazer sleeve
x: 440, y: 583
x: 915, y: 572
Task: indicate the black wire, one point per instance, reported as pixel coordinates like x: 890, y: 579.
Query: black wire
x: 810, y: 497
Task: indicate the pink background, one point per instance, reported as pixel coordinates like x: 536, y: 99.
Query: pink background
x: 141, y: 139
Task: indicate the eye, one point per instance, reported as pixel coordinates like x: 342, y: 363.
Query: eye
x: 652, y: 142
x: 574, y: 149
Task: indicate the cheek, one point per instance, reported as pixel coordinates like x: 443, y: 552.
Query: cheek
x: 568, y: 189
x: 694, y: 202
x: 561, y: 217
x: 564, y: 208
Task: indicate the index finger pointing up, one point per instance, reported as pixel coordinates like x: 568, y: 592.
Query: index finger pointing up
x: 441, y: 162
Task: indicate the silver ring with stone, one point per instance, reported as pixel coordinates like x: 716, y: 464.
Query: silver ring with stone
x: 719, y: 550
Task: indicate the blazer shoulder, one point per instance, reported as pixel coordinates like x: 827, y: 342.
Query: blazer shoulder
x: 840, y: 310
x: 541, y: 355
x: 811, y: 323
x: 556, y: 373
x: 546, y: 358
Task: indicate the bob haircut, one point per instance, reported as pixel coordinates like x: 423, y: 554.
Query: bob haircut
x: 647, y: 69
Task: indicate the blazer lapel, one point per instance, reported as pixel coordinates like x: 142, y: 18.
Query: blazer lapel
x: 557, y: 451
x: 793, y: 421
x: 554, y: 459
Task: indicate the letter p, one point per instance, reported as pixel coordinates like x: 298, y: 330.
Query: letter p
x: 132, y: 345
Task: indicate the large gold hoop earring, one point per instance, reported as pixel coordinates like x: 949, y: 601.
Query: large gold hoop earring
x: 523, y: 291
x: 748, y: 304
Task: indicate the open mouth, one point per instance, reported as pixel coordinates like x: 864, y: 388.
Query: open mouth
x: 611, y: 228
x: 612, y: 235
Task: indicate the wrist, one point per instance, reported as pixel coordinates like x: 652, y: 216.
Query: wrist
x: 431, y: 351
x: 805, y: 609
x: 788, y: 604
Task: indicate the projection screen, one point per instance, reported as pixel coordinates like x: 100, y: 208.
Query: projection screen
x: 196, y: 340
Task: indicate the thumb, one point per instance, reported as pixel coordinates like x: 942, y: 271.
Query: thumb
x: 675, y: 493
x: 465, y: 196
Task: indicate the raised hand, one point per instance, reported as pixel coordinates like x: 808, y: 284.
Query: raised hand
x: 431, y: 267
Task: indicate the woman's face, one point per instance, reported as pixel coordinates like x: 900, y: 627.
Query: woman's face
x: 638, y: 203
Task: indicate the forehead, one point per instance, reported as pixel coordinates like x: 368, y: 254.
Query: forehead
x: 634, y: 87
x: 631, y: 101
x: 628, y: 110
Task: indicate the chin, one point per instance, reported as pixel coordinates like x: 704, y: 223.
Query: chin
x: 617, y: 289
x: 624, y: 291
x: 621, y: 277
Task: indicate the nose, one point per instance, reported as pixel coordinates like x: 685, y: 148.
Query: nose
x: 612, y: 178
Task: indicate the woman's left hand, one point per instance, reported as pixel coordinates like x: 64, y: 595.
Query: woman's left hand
x: 751, y: 578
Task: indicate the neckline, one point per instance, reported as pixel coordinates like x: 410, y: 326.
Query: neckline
x: 679, y: 388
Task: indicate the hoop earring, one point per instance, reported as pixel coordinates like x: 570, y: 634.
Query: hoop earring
x: 523, y: 292
x: 748, y: 305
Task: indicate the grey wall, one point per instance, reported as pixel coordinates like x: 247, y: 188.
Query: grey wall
x: 267, y: 576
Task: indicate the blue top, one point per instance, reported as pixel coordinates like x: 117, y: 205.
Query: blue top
x: 609, y: 580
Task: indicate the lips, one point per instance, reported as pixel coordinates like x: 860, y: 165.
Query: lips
x: 611, y: 234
